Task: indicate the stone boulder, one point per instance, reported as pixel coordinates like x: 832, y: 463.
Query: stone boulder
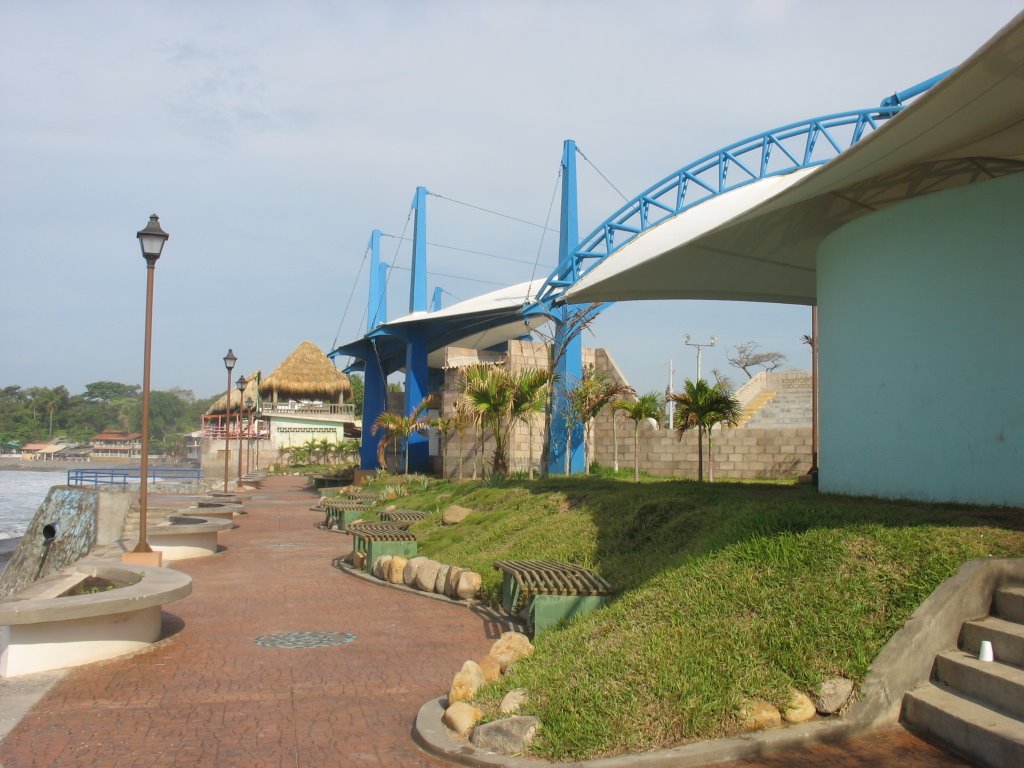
x: 833, y: 695
x: 466, y: 683
x: 359, y: 560
x: 759, y: 715
x: 396, y: 569
x: 469, y: 585
x: 426, y: 575
x: 461, y: 717
x: 380, y: 567
x: 491, y: 669
x: 442, y: 576
x: 454, y: 514
x: 510, y: 736
x: 511, y: 647
x: 513, y: 701
x: 800, y: 708
x: 451, y: 581
x: 412, y: 565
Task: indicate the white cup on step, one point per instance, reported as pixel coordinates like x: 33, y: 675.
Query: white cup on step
x: 985, y: 653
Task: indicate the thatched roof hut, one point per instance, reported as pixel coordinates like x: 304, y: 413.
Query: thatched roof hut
x: 307, y: 374
x: 251, y: 392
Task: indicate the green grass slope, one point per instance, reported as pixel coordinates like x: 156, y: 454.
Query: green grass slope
x: 727, y: 591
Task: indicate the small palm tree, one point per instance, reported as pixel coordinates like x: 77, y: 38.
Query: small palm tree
x: 589, y: 398
x: 528, y: 399
x: 398, y: 429
x: 646, y: 406
x: 702, y: 406
x: 489, y: 393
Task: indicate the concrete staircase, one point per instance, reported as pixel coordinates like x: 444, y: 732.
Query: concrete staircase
x: 976, y: 708
x: 751, y: 409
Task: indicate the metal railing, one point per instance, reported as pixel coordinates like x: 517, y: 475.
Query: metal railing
x: 344, y: 410
x: 124, y: 476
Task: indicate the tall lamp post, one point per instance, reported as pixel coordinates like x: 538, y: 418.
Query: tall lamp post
x: 240, y: 386
x: 152, y: 240
x: 686, y: 341
x: 249, y: 403
x: 229, y: 363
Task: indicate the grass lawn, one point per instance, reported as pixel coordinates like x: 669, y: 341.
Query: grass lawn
x: 727, y: 591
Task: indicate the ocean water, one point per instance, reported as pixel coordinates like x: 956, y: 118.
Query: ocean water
x: 21, y: 494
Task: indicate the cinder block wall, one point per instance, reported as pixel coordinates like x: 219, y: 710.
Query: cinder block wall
x: 736, y: 453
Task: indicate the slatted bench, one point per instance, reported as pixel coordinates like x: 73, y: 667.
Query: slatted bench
x: 409, y: 516
x: 550, y: 591
x: 340, y: 513
x: 377, y: 539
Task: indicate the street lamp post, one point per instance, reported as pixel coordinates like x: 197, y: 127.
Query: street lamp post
x: 151, y: 240
x: 248, y: 443
x: 240, y: 386
x: 686, y: 341
x: 229, y: 363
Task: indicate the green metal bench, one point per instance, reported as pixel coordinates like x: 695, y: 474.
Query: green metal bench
x: 406, y: 516
x: 377, y: 539
x: 550, y: 591
x: 340, y: 513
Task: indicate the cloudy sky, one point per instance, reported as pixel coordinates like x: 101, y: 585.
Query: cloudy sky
x: 271, y: 138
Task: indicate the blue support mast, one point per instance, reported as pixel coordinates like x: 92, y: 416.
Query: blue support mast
x: 375, y: 384
x: 568, y: 346
x: 416, y: 385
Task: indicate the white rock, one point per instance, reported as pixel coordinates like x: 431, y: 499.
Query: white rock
x: 426, y: 575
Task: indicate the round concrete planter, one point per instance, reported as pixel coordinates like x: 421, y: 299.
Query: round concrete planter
x: 181, y: 537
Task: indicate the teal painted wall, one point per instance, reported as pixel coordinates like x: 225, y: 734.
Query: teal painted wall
x: 921, y: 358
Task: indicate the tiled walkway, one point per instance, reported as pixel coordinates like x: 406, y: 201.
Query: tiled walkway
x: 208, y: 695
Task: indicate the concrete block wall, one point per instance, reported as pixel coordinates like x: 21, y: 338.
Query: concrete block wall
x: 737, y: 454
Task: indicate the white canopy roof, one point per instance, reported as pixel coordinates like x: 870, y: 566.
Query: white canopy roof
x: 759, y: 242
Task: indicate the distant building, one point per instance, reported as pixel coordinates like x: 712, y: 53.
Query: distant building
x: 117, y: 445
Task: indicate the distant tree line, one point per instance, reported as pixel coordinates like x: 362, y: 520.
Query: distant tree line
x: 38, y: 414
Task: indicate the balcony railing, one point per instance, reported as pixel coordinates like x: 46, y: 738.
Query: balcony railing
x: 346, y: 411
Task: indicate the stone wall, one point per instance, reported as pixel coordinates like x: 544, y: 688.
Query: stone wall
x: 738, y: 454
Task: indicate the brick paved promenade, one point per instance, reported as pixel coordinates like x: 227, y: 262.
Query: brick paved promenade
x: 207, y: 695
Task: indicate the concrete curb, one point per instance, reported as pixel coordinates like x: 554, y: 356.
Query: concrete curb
x: 433, y: 737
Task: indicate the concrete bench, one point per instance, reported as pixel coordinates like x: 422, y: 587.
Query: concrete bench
x: 44, y: 629
x: 377, y: 539
x: 550, y: 591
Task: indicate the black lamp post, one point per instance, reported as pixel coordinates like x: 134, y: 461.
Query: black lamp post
x: 229, y: 363
x: 240, y: 386
x: 152, y: 240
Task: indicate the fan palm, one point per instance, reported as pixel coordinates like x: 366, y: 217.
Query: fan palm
x: 589, y: 398
x: 646, y: 406
x: 398, y: 429
x: 528, y: 399
x: 701, y: 406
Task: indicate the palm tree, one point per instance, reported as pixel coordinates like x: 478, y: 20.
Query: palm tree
x: 589, y: 398
x: 702, y: 406
x: 529, y: 398
x: 489, y: 395
x: 646, y: 406
x: 399, y: 429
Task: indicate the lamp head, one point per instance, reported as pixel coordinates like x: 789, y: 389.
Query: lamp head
x: 229, y: 360
x: 240, y: 383
x: 714, y: 340
x: 686, y: 338
x: 152, y: 240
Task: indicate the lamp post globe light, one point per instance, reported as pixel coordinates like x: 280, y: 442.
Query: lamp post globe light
x: 229, y: 363
x: 240, y: 386
x: 151, y: 240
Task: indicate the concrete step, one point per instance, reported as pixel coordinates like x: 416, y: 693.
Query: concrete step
x: 993, y: 683
x: 990, y: 738
x: 1009, y: 604
x: 1007, y: 638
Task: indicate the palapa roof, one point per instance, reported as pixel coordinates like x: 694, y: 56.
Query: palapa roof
x: 307, y: 374
x: 250, y: 392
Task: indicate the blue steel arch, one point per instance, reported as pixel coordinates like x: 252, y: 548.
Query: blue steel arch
x: 777, y: 152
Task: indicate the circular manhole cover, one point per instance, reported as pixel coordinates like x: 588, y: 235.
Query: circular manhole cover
x: 304, y: 639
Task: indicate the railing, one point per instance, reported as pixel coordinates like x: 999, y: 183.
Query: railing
x: 121, y: 477
x: 344, y: 410
x: 216, y: 432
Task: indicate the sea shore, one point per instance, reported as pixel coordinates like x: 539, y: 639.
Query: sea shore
x: 40, y: 465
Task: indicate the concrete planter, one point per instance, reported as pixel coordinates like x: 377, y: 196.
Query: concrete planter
x: 180, y: 538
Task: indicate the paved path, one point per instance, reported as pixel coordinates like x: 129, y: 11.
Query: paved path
x: 207, y: 695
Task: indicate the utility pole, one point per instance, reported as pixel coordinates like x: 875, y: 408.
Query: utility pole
x: 670, y: 406
x: 686, y: 341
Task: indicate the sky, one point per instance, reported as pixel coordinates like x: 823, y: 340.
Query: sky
x: 271, y: 138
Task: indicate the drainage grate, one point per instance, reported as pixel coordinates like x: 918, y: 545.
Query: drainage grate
x: 305, y: 639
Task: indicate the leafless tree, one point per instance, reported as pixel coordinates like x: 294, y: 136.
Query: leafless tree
x: 747, y: 357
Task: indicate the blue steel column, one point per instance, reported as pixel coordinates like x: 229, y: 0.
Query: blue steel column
x: 374, y: 381
x: 416, y: 351
x: 569, y: 366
